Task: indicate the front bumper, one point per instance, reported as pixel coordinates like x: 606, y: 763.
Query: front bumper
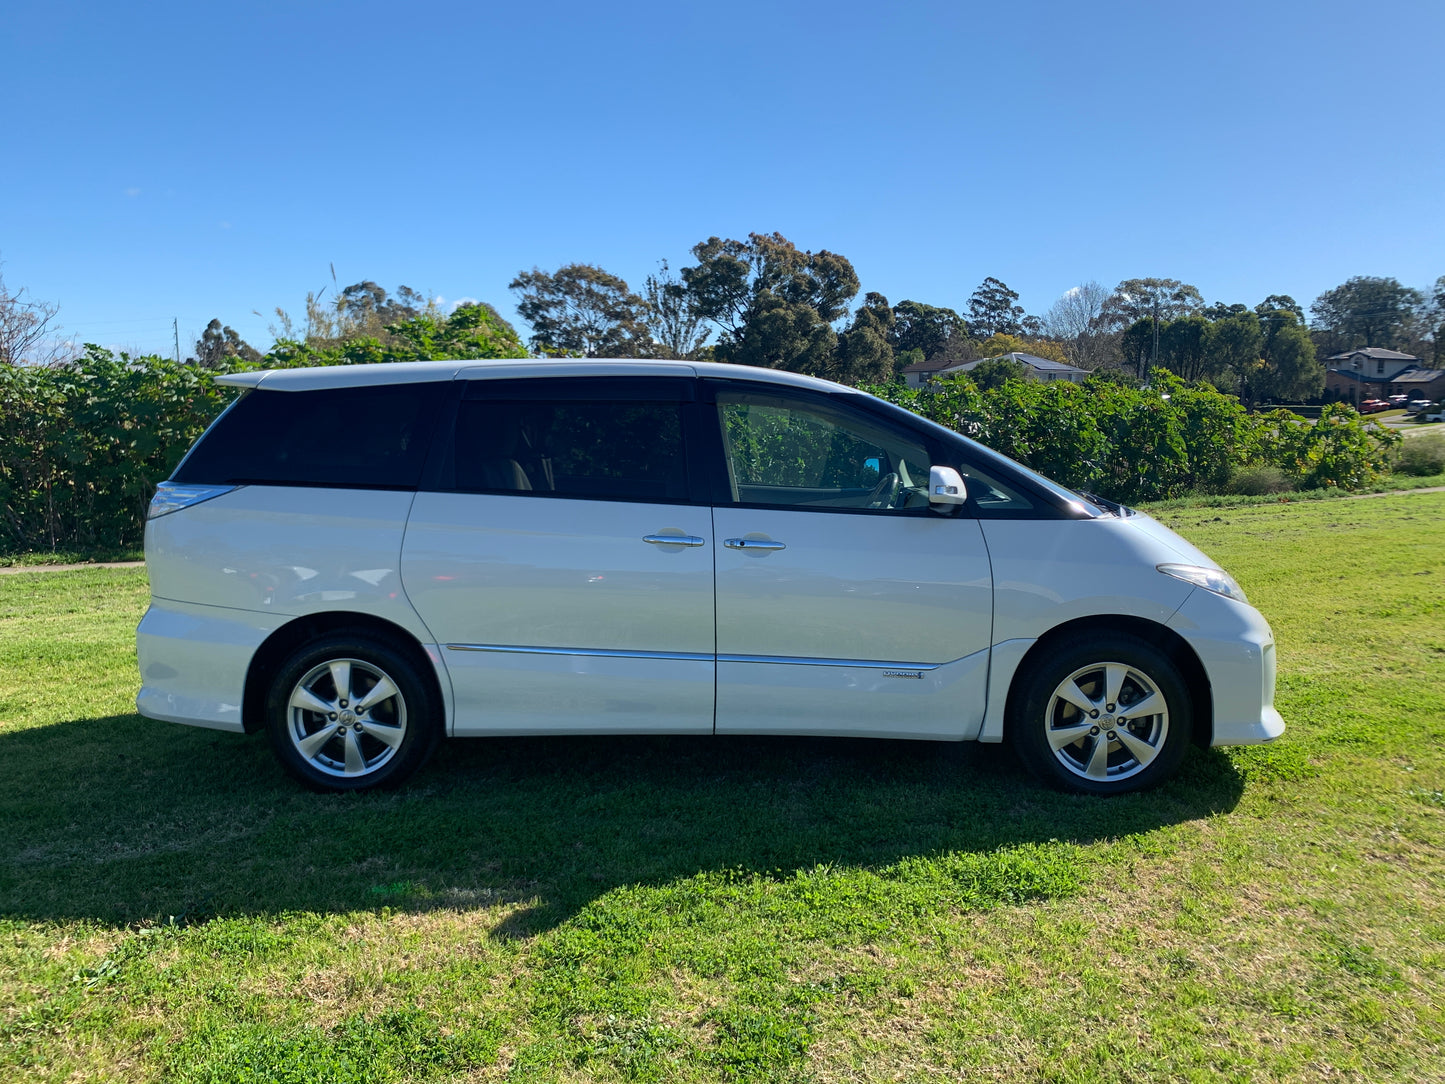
x: 1236, y: 646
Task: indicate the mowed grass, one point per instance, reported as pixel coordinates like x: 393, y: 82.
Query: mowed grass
x: 172, y: 908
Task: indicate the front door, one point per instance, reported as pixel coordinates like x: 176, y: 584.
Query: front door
x: 845, y: 605
x: 562, y: 564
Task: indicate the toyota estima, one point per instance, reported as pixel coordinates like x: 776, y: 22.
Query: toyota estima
x: 360, y: 560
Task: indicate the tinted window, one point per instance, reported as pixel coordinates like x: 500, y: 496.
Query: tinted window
x: 811, y: 453
x: 368, y: 437
x: 611, y: 450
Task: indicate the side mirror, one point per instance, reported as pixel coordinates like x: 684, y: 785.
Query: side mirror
x: 945, y: 486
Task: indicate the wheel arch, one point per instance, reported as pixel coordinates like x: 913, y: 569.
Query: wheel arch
x: 279, y: 646
x: 1178, y: 649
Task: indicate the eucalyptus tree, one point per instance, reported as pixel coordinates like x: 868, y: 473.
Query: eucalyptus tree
x: 1367, y: 311
x: 993, y: 309
x: 865, y: 352
x: 219, y: 346
x: 677, y: 328
x: 1157, y: 299
x: 926, y: 328
x: 772, y: 303
x: 583, y: 310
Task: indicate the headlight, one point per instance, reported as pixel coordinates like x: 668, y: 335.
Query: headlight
x: 1211, y: 579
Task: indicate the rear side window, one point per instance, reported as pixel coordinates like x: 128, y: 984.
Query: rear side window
x: 611, y: 450
x: 373, y: 437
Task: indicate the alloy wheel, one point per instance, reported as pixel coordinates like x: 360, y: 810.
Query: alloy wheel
x: 346, y: 717
x: 1106, y: 721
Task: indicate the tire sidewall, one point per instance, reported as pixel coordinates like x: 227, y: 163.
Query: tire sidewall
x: 1027, y: 725
x: 422, y: 732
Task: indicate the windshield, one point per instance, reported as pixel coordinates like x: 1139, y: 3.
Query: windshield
x: 1081, y: 501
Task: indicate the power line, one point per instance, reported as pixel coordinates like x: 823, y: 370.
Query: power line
x: 119, y: 323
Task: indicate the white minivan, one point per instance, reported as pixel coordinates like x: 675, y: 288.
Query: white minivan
x: 360, y: 560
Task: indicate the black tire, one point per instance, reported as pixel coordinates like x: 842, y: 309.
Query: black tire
x: 391, y: 737
x: 1047, y: 707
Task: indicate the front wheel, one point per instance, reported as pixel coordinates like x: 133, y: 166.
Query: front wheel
x: 350, y: 713
x: 1102, y: 714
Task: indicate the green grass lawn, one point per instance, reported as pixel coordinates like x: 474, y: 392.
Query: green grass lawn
x: 40, y: 558
x: 678, y: 909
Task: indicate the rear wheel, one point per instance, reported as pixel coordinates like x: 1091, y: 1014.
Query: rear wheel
x: 1102, y: 714
x: 350, y: 713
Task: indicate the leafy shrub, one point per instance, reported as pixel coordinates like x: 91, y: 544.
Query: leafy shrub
x: 1162, y: 440
x: 1340, y: 449
x: 1258, y: 480
x: 83, y: 445
x: 1420, y: 456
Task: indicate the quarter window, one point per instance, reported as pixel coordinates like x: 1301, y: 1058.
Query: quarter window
x: 373, y: 437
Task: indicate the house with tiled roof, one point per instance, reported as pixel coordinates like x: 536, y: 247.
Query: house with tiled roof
x: 1372, y: 372
x: 1035, y: 368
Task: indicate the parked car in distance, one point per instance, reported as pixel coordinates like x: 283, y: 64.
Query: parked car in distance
x: 1373, y: 406
x: 1398, y: 400
x: 1418, y: 406
x: 361, y: 560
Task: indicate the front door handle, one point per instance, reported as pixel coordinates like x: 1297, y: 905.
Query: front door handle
x: 753, y: 544
x: 674, y: 539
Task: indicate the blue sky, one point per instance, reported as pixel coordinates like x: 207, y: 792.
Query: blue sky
x: 195, y: 160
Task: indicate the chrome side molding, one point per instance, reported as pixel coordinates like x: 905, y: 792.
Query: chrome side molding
x: 914, y: 669
x: 603, y: 653
x: 901, y: 669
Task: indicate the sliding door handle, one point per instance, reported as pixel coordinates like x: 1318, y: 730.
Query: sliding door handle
x: 753, y: 544
x: 674, y: 539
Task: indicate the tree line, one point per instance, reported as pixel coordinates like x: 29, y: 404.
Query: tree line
x: 84, y: 439
x: 763, y: 301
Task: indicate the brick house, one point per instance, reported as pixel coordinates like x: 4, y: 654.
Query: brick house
x: 1374, y: 373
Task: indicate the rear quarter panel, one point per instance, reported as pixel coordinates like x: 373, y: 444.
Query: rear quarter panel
x: 287, y: 550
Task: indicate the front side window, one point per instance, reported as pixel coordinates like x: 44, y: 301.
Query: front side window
x: 609, y: 450
x: 805, y: 453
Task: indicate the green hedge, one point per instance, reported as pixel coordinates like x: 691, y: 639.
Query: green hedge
x: 83, y: 445
x: 1164, y: 440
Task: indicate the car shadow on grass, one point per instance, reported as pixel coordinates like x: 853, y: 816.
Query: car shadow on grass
x: 123, y: 819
